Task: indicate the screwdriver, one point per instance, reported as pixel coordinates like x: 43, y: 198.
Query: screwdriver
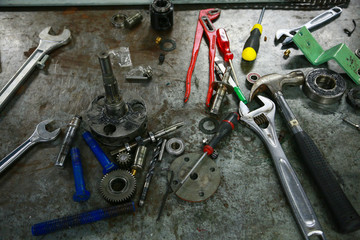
x: 224, y: 47
x: 226, y: 126
x: 252, y: 44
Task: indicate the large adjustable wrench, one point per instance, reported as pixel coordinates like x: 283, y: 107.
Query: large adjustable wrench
x: 300, y: 204
x: 40, y: 135
x: 38, y: 57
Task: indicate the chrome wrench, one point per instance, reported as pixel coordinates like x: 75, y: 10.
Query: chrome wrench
x: 315, y: 22
x: 39, y: 135
x: 37, y: 59
x: 300, y: 204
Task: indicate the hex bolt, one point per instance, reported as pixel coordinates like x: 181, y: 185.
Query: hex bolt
x: 81, y: 194
x: 107, y: 165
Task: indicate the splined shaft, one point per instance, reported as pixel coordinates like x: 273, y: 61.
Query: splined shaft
x: 150, y: 173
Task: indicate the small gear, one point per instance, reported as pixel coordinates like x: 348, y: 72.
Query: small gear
x: 124, y: 160
x: 118, y: 186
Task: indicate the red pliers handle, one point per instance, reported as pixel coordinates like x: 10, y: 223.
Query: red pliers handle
x: 204, y: 24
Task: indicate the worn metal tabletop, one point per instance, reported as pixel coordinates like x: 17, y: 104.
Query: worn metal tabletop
x: 249, y: 203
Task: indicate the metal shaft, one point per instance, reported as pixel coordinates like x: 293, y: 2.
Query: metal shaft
x: 114, y: 103
x: 261, y: 15
x: 220, y: 93
x: 158, y: 134
x: 69, y: 137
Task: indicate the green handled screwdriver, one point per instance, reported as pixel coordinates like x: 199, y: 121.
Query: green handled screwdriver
x: 252, y: 44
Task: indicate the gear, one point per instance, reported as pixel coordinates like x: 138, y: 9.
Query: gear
x: 118, y: 186
x: 124, y: 160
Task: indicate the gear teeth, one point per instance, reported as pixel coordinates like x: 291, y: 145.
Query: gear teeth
x: 110, y: 183
x: 124, y: 160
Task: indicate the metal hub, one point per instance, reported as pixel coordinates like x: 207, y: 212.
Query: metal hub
x: 118, y: 186
x: 202, y: 183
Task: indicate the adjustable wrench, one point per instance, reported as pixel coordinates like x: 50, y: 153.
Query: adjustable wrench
x: 40, y: 135
x: 300, y: 204
x: 37, y: 59
x: 313, y: 23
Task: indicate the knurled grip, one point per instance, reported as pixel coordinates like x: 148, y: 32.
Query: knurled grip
x: 346, y: 217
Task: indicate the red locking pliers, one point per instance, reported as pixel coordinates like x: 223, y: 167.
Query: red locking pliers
x: 204, y: 24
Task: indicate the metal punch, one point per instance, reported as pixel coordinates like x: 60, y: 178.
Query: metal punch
x: 300, y: 204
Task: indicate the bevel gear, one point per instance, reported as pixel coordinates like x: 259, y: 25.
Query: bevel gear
x: 124, y: 160
x: 118, y: 186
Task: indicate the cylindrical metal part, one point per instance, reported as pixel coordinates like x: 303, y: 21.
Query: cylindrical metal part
x: 132, y: 21
x: 115, y: 106
x: 220, y: 93
x: 140, y: 157
x: 107, y: 165
x: 69, y: 137
x: 161, y: 13
x: 81, y: 194
x: 162, y: 150
x: 81, y: 219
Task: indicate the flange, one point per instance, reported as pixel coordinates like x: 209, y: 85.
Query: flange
x: 324, y: 86
x: 201, y: 184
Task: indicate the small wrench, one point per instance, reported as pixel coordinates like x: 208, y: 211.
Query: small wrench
x: 40, y: 135
x: 37, y: 59
x: 300, y: 204
x: 315, y: 22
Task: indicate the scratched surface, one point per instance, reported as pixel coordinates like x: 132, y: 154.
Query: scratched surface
x: 249, y: 203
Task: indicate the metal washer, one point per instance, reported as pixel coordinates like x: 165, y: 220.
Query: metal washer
x: 353, y: 97
x: 324, y: 86
x: 206, y: 130
x: 167, y: 49
x: 175, y: 150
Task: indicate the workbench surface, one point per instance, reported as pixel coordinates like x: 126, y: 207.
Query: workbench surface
x: 249, y: 203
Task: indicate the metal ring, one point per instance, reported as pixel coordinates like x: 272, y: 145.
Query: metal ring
x: 324, y: 86
x: 167, y: 49
x: 118, y: 20
x: 353, y: 97
x: 251, y: 78
x: 206, y: 130
x: 152, y: 137
x: 175, y: 146
x: 127, y: 147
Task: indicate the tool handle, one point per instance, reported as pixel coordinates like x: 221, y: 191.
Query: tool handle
x: 322, y: 18
x: 223, y: 44
x: 345, y: 215
x: 252, y: 44
x: 226, y: 126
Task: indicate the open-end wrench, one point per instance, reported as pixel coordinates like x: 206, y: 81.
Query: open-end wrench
x: 37, y: 59
x: 40, y: 135
x: 299, y: 202
x: 313, y: 23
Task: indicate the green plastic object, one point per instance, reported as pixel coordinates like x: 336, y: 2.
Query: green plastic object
x: 340, y: 53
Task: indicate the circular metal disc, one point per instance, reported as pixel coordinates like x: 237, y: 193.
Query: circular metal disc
x: 202, y: 184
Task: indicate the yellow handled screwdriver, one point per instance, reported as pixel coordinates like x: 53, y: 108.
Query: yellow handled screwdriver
x: 252, y: 44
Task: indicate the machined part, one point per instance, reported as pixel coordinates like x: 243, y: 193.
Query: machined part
x: 124, y: 160
x: 202, y: 183
x: 69, y: 137
x: 112, y: 120
x: 286, y: 54
x: 353, y: 97
x: 140, y: 73
x: 118, y: 20
x: 152, y: 137
x: 127, y: 147
x: 81, y: 194
x: 175, y: 146
x: 140, y: 158
x: 161, y: 58
x: 164, y: 45
x: 161, y: 14
x: 133, y: 21
x: 158, y: 134
x: 222, y: 88
x: 162, y: 150
x: 118, y: 186
x: 324, y: 86
x: 251, y: 79
x: 340, y: 53
x: 204, y: 125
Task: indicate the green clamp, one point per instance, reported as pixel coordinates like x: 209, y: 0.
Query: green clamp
x: 340, y: 53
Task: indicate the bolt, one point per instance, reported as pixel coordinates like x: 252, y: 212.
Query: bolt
x: 158, y: 40
x: 287, y: 53
x: 81, y: 194
x: 107, y: 165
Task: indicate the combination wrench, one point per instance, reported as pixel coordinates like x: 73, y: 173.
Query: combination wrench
x: 39, y: 135
x: 312, y: 24
x: 37, y: 59
x: 299, y: 202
